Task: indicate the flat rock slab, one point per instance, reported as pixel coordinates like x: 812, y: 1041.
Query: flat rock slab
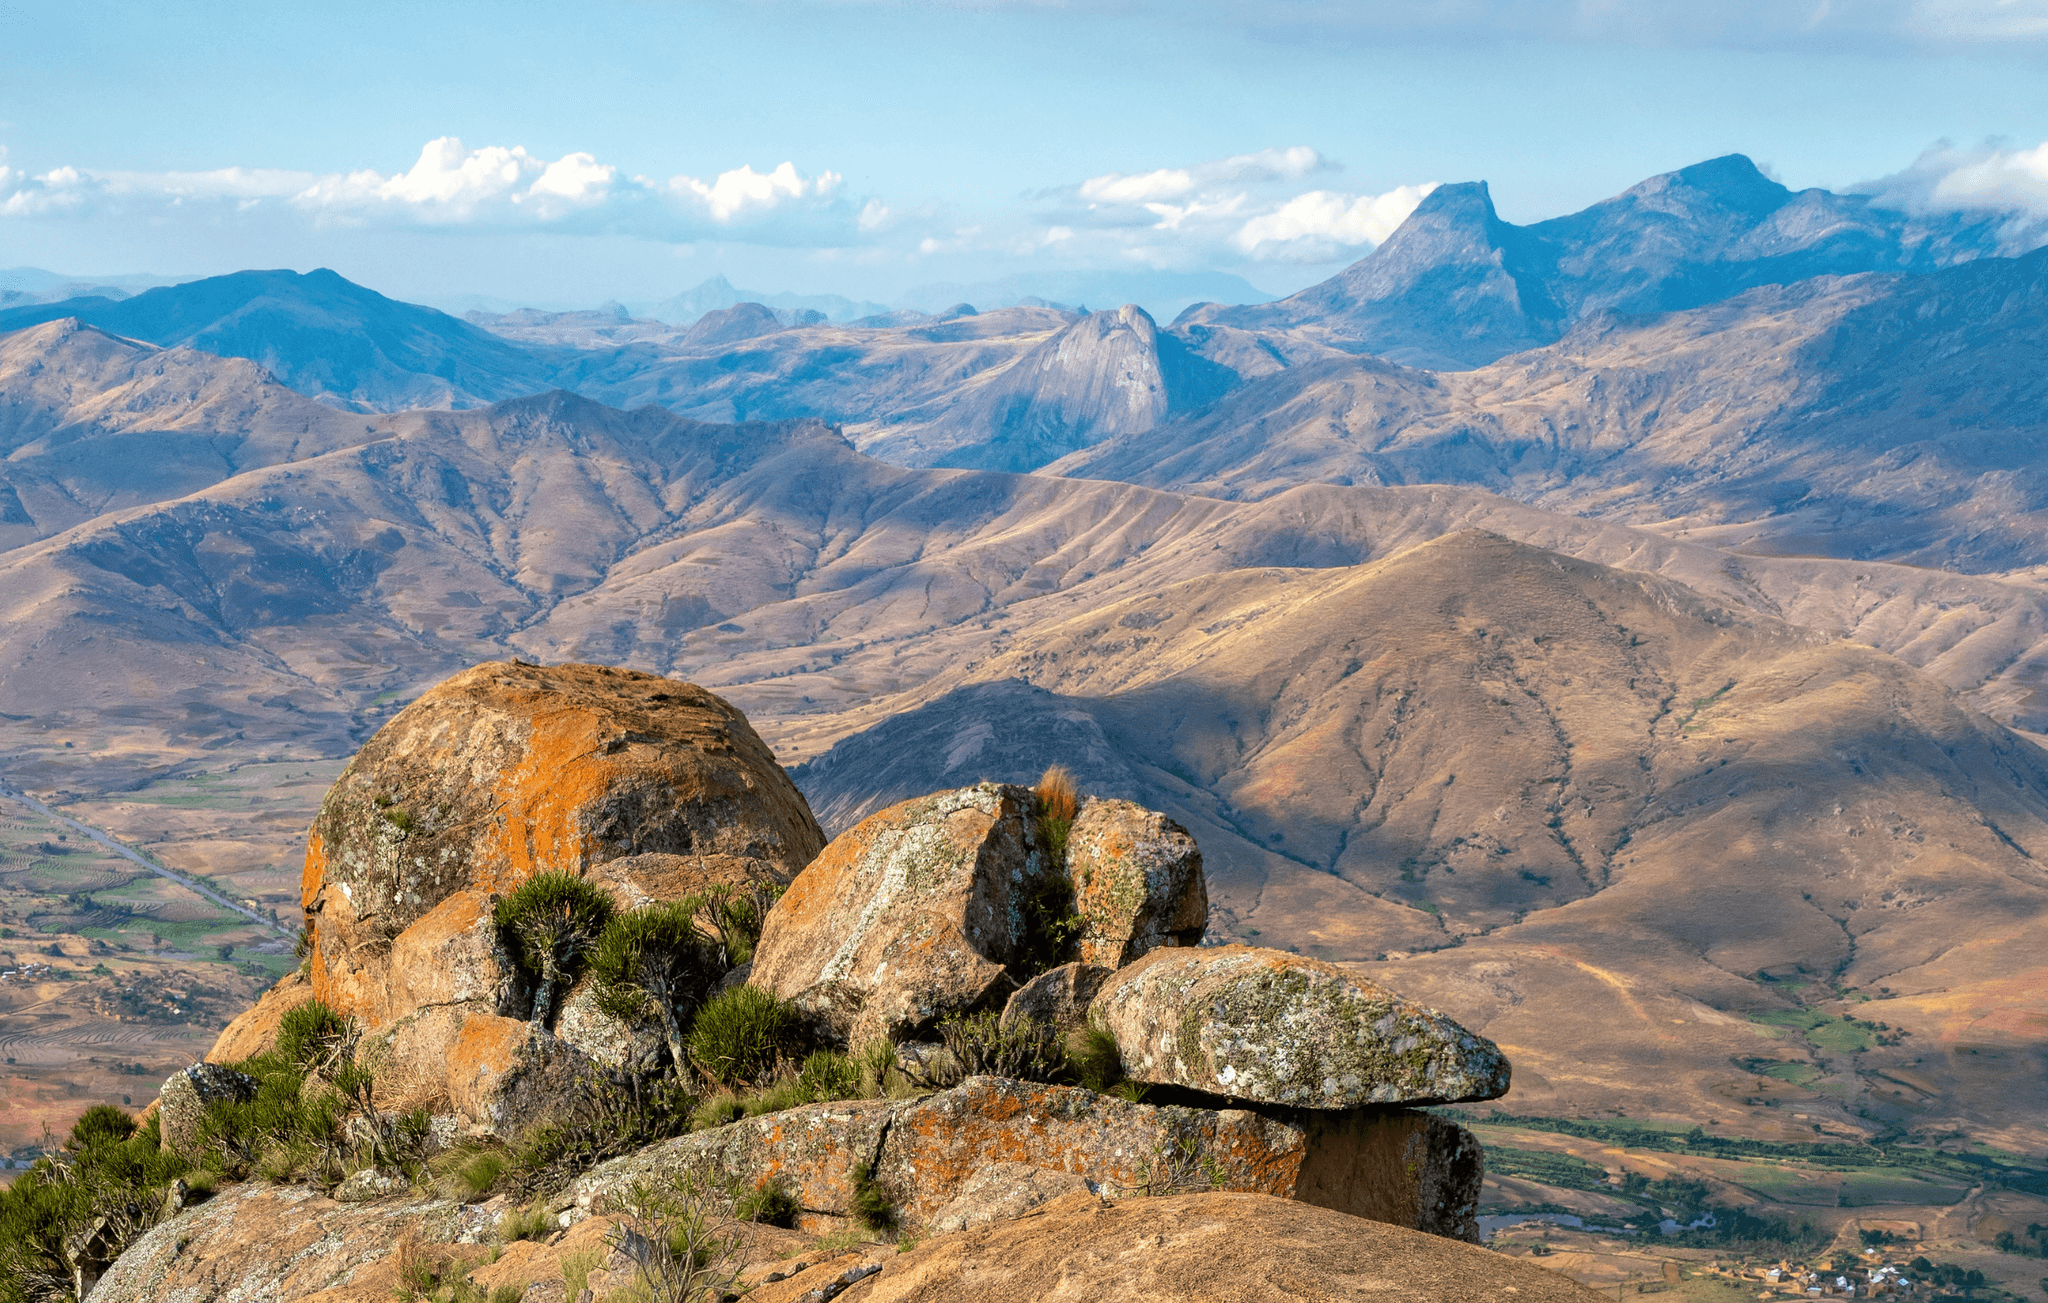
x: 1407, y: 1168
x: 1203, y: 1248
x: 1275, y: 1028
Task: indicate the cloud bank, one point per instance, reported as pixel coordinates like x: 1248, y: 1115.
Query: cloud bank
x: 454, y: 186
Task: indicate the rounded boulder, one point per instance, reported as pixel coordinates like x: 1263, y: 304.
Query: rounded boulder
x: 1273, y: 1028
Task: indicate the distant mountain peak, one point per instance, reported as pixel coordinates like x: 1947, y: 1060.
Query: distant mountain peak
x: 1732, y: 181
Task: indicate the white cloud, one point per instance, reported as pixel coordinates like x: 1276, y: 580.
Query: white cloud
x: 492, y: 187
x: 1223, y: 210
x: 743, y: 192
x: 1322, y: 225
x: 2006, y: 184
x: 1173, y: 183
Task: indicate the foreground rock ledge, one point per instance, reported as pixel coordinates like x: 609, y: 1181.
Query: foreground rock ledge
x: 1404, y: 1168
x: 1274, y: 1028
x: 1203, y: 1248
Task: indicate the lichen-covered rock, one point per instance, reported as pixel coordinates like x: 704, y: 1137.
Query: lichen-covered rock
x: 810, y: 1152
x: 261, y: 1243
x: 1059, y: 996
x: 1196, y: 1248
x: 1138, y: 882
x: 924, y: 1154
x: 370, y: 1184
x: 185, y: 1095
x: 1275, y: 1028
x: 1002, y: 1191
x: 912, y: 915
x: 644, y: 784
x: 507, y: 770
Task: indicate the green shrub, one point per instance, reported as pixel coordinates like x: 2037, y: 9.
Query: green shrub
x: 606, y: 1116
x: 741, y: 1034
x: 68, y: 1217
x: 828, y: 1075
x: 101, y: 1124
x: 769, y: 1203
x: 736, y: 915
x: 1093, y: 1058
x: 656, y: 961
x: 470, y: 1168
x: 678, y: 1244
x: 1051, y: 918
x: 529, y: 1223
x: 1028, y: 1049
x: 552, y: 921
x: 871, y: 1206
x: 310, y: 1035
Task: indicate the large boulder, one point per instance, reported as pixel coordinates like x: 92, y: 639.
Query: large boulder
x: 1273, y: 1028
x: 914, y: 914
x: 1194, y: 1248
x: 951, y: 902
x: 925, y: 1154
x: 1138, y: 882
x: 649, y: 787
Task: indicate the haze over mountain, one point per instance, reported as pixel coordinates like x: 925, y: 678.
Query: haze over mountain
x: 322, y: 335
x: 1455, y: 287
x: 1881, y: 416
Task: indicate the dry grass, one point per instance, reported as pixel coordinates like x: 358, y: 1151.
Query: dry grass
x: 1058, y: 796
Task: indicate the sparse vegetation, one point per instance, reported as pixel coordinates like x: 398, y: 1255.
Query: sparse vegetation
x: 872, y: 1207
x: 68, y: 1217
x: 1052, y: 924
x: 740, y: 1035
x: 553, y: 920
x: 655, y: 961
x: 673, y: 1236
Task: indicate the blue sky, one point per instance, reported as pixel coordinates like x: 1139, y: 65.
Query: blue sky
x: 631, y: 149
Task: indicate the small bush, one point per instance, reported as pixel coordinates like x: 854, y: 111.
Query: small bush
x: 576, y: 1269
x: 552, y: 921
x: 741, y: 1034
x: 871, y: 1206
x: 671, y: 1236
x: 309, y: 1036
x: 608, y: 1115
x: 1093, y: 1058
x: 529, y: 1223
x: 978, y: 1044
x: 735, y: 915
x: 828, y: 1075
x: 65, y: 1220
x: 657, y: 962
x: 101, y: 1124
x: 717, y: 1110
x: 468, y: 1169
x: 769, y: 1203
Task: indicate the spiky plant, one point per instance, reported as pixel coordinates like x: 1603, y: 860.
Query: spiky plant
x: 655, y: 960
x: 555, y: 919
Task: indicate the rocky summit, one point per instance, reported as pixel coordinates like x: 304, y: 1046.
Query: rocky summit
x: 943, y: 1025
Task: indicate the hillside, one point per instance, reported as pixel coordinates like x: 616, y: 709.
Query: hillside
x: 1892, y: 417
x: 1514, y: 760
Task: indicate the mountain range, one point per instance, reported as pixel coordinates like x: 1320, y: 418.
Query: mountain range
x: 1606, y: 693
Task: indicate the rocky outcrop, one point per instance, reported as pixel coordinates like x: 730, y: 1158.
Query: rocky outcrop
x: 650, y: 787
x: 914, y: 914
x: 1193, y: 1248
x: 1137, y: 882
x: 926, y: 1154
x: 1275, y: 1028
x: 183, y: 1098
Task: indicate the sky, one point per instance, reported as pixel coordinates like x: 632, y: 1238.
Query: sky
x: 563, y: 155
